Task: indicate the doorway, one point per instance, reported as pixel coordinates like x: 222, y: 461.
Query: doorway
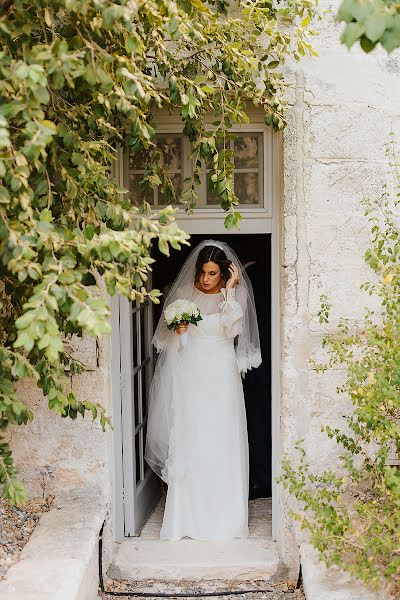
x: 136, y: 487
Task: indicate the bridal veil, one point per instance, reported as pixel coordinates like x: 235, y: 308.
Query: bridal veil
x: 247, y: 349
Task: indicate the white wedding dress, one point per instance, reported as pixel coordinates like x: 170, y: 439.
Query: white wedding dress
x: 207, y: 463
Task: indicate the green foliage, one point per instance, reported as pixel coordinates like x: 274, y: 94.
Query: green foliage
x: 370, y: 22
x: 354, y: 516
x: 77, y: 79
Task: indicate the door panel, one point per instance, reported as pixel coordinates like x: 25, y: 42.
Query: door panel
x: 141, y: 486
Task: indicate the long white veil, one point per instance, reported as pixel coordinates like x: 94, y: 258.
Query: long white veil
x: 247, y: 348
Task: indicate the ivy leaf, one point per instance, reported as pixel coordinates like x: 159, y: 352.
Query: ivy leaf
x: 375, y: 25
x: 163, y: 246
x: 198, y: 4
x: 366, y: 44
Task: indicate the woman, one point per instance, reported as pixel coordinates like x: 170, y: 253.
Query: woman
x: 197, y: 435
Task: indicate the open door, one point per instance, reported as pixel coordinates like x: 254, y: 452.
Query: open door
x: 141, y: 488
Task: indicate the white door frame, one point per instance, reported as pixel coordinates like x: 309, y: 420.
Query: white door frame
x: 209, y: 221
x: 275, y: 332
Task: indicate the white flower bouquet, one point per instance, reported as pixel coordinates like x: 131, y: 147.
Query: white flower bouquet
x: 182, y: 311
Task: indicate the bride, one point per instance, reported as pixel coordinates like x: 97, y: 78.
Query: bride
x: 197, y: 435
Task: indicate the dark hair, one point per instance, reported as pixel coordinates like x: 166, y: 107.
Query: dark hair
x: 216, y: 255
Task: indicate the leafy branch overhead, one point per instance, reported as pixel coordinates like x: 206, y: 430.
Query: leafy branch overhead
x: 370, y: 22
x: 77, y: 79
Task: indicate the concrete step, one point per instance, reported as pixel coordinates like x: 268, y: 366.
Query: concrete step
x: 138, y: 559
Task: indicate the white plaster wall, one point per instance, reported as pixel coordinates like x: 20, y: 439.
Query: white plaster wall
x: 342, y: 107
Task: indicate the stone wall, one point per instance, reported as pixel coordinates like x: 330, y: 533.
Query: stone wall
x: 60, y: 456
x: 342, y: 108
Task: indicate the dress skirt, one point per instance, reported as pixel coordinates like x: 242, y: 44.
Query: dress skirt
x: 208, y: 467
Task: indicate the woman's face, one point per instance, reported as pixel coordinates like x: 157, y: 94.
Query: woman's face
x: 210, y: 277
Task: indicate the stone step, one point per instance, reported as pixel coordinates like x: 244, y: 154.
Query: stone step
x: 138, y: 559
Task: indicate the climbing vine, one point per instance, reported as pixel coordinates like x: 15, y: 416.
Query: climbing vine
x: 77, y: 79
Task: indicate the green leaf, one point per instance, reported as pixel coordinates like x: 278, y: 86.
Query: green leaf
x: 41, y: 94
x: 163, y: 246
x: 24, y: 340
x: 89, y: 232
x: 352, y: 33
x: 46, y: 215
x: 48, y: 126
x: 366, y: 44
x: 4, y: 195
x: 173, y: 25
x: 390, y: 40
x: 22, y: 71
x: 26, y: 319
x: 47, y: 17
x: 198, y: 4
x: 375, y: 26
x: 90, y: 75
x: 184, y: 99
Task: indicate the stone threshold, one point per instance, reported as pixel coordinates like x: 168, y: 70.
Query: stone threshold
x: 60, y: 561
x: 147, y: 557
x: 236, y: 560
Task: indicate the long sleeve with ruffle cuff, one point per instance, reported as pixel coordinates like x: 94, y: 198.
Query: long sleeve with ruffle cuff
x: 231, y: 313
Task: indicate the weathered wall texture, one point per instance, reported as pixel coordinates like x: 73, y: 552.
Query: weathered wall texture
x: 56, y: 455
x: 343, y: 106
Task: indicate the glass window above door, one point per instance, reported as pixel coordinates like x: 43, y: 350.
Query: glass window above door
x: 249, y: 167
x: 248, y: 171
x: 172, y: 159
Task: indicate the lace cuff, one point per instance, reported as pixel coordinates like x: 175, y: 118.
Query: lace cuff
x: 231, y: 313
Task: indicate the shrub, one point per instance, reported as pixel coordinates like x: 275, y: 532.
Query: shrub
x: 354, y: 516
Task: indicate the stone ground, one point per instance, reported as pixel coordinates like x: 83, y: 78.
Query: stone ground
x: 267, y: 591
x: 16, y: 526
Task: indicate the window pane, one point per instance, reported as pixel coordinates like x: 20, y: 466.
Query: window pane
x: 212, y: 198
x: 177, y: 183
x: 145, y: 395
x: 138, y: 160
x: 135, y: 348
x: 171, y: 147
x: 137, y: 457
x: 208, y: 161
x: 246, y: 187
x: 146, y: 464
x: 246, y: 152
x: 139, y: 193
x: 143, y: 332
x: 136, y: 398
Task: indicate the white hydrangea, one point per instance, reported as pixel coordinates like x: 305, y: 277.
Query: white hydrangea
x: 175, y: 311
x: 170, y: 314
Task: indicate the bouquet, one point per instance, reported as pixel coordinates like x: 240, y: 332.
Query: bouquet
x: 182, y: 311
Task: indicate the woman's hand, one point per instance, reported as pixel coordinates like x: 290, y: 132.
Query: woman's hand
x: 234, y: 278
x: 182, y: 328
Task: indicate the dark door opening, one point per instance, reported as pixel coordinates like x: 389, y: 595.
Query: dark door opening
x: 254, y: 252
